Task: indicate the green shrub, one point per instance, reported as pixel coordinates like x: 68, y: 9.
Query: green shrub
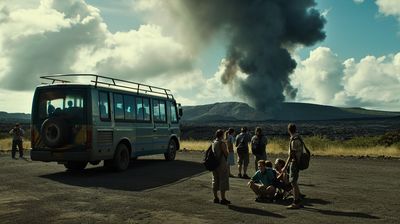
x: 390, y: 138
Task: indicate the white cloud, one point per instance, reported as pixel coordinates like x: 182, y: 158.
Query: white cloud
x: 318, y: 78
x: 215, y: 91
x: 373, y: 82
x: 389, y: 7
x: 15, y: 102
x: 358, y: 1
x: 70, y: 36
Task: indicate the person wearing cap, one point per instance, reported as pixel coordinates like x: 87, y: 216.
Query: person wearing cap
x: 17, y: 134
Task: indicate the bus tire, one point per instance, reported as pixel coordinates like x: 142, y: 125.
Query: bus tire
x: 121, y: 158
x: 75, y: 166
x: 171, y: 151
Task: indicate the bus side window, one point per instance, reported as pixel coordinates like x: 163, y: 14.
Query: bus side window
x: 130, y: 112
x: 163, y: 116
x: 146, y: 106
x: 118, y: 107
x: 173, y: 116
x: 156, y: 110
x: 139, y: 109
x: 103, y: 106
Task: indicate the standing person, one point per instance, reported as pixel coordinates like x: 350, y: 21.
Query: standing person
x: 230, y: 141
x: 242, y: 149
x: 259, y: 147
x: 17, y: 133
x: 220, y: 176
x: 295, y: 150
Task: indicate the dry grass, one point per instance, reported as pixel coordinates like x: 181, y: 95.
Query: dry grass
x: 276, y: 148
x: 6, y: 143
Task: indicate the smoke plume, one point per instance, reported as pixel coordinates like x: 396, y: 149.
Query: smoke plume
x: 260, y: 34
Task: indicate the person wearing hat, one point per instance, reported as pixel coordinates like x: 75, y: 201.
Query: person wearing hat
x: 17, y: 134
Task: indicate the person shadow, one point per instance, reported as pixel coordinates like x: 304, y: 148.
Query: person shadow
x: 254, y: 211
x: 309, y: 203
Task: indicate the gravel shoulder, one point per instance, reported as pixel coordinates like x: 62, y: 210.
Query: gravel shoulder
x: 339, y: 190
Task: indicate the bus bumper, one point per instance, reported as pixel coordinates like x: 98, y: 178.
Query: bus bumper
x: 49, y: 156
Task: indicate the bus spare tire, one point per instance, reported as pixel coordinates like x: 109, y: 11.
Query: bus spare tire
x: 54, y: 132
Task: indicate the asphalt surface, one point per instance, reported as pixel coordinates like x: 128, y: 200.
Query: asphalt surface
x: 338, y: 190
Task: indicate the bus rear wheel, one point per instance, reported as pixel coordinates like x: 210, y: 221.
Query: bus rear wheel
x: 171, y: 151
x: 121, y: 159
x: 75, y: 166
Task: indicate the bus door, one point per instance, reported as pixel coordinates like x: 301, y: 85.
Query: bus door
x: 160, y: 125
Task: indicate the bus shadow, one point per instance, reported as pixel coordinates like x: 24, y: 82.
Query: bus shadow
x: 143, y: 174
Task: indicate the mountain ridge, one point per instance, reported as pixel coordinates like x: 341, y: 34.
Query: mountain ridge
x: 235, y: 111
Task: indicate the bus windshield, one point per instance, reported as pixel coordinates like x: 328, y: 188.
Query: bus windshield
x: 54, y: 103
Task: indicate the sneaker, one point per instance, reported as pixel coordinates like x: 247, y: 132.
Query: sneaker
x: 294, y: 206
x: 225, y: 202
x: 245, y: 176
x: 216, y: 200
x: 240, y: 175
x: 15, y: 158
x: 231, y: 175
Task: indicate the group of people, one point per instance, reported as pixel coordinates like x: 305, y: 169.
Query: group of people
x: 270, y: 181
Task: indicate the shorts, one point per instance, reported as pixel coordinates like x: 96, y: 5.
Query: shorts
x: 231, y: 159
x: 293, y: 173
x: 262, y: 190
x: 243, y: 158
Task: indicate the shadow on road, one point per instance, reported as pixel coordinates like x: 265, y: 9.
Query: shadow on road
x: 312, y: 201
x: 342, y: 213
x: 142, y: 175
x: 254, y: 211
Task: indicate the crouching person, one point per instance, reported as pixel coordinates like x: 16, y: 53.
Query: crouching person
x: 262, y: 182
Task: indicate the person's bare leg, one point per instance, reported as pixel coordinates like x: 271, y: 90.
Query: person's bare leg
x: 223, y: 195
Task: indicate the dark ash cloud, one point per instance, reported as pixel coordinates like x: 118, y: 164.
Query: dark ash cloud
x: 260, y: 34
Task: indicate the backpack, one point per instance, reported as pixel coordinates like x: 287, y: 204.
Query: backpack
x: 305, y: 157
x: 210, y: 161
x: 259, y: 148
x: 242, y: 146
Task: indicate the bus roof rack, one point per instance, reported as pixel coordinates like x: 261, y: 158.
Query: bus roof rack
x: 111, y: 82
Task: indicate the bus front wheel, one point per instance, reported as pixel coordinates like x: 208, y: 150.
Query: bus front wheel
x: 171, y: 151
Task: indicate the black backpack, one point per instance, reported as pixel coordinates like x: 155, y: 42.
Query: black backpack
x: 210, y: 161
x: 305, y: 157
x: 259, y: 148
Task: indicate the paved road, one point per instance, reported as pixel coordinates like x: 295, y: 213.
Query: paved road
x: 339, y: 190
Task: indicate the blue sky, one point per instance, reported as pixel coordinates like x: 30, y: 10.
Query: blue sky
x: 357, y: 65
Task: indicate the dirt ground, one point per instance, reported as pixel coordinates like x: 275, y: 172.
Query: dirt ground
x: 338, y: 190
